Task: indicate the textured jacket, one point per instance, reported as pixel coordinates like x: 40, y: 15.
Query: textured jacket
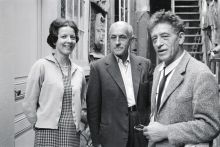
x: 190, y: 107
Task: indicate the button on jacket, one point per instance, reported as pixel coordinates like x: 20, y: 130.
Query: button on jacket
x: 44, y: 93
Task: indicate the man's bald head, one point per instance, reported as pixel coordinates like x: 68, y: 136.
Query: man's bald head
x: 122, y: 24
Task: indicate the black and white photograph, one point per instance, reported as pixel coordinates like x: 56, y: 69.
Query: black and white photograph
x: 109, y: 73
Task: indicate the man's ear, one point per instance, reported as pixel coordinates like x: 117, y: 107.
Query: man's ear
x: 181, y: 38
x: 132, y: 39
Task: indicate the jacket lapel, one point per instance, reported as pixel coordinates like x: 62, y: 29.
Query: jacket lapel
x: 114, y: 71
x: 176, y: 79
x: 136, y: 74
x: 154, y: 88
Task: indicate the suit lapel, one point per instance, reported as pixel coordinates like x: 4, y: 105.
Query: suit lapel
x: 154, y: 88
x: 176, y: 79
x: 136, y: 74
x: 114, y: 71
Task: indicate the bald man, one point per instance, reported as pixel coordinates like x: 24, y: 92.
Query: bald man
x: 118, y: 96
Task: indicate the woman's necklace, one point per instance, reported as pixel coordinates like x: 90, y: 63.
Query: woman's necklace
x: 60, y: 66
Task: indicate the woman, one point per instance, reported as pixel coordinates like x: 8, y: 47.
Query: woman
x: 55, y: 90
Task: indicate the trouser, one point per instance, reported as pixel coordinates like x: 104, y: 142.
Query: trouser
x: 135, y: 138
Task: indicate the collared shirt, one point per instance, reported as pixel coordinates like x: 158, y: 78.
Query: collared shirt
x: 125, y: 69
x: 168, y: 70
x: 44, y: 93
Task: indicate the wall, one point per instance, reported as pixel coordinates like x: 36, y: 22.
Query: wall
x: 6, y: 79
x: 49, y: 12
x: 6, y: 74
x: 6, y: 98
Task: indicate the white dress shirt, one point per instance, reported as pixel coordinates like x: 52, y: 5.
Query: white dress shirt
x: 125, y: 69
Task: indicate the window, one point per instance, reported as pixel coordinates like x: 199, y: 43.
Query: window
x: 122, y: 8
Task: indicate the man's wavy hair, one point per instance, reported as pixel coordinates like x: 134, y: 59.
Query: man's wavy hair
x: 54, y: 30
x: 163, y: 16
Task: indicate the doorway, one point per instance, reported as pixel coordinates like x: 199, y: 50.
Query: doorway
x: 156, y: 5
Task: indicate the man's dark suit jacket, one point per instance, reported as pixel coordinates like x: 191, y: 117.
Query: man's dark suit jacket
x: 107, y: 106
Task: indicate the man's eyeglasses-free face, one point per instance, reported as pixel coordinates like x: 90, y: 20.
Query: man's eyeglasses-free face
x: 118, y: 37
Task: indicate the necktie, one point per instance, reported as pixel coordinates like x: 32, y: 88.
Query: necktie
x: 161, y: 87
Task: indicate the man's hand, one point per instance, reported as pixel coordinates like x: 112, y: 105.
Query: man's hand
x: 155, y: 132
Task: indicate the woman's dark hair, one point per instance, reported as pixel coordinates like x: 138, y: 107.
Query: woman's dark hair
x: 163, y: 16
x: 54, y: 28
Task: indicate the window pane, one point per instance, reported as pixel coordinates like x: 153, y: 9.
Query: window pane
x: 76, y: 8
x: 63, y: 8
x: 82, y: 9
x: 126, y: 10
x: 69, y: 9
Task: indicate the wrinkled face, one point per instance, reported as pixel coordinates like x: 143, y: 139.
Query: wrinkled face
x: 166, y: 42
x: 119, y: 40
x: 66, y: 41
